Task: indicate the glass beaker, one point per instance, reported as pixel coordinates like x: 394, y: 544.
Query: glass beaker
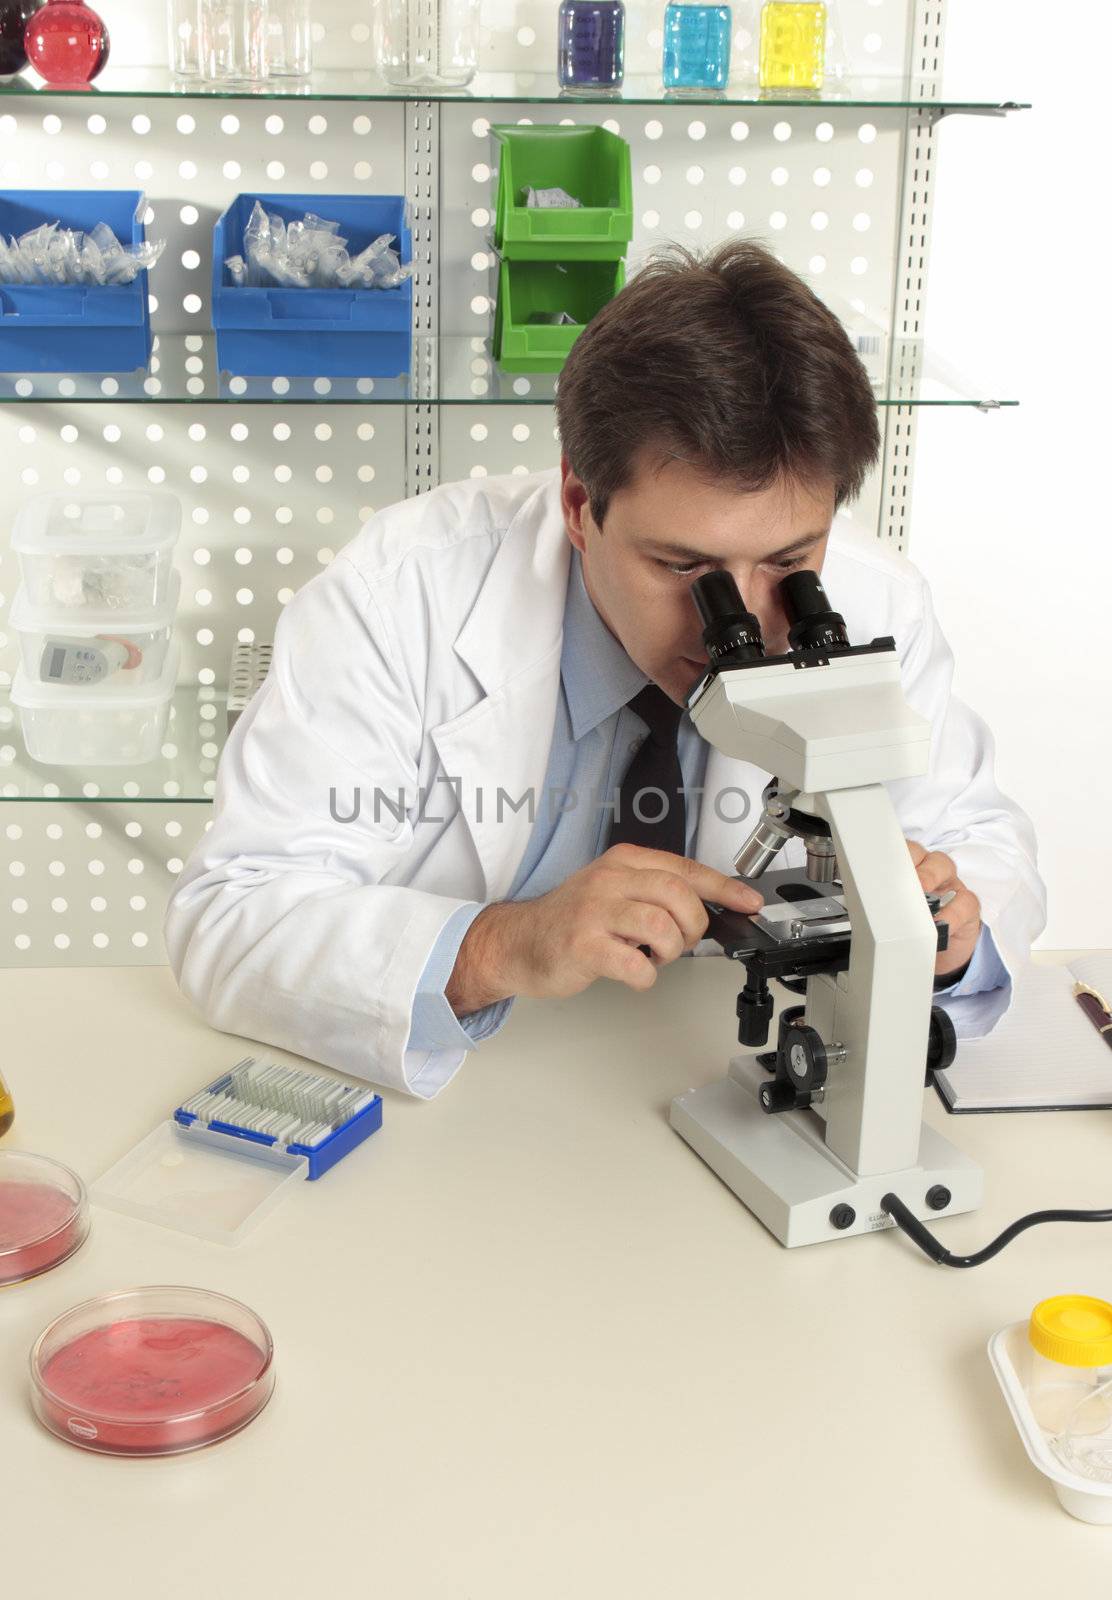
x: 289, y: 38
x: 233, y: 41
x: 433, y: 43
x: 183, y: 23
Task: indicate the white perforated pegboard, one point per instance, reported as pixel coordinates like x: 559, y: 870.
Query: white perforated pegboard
x: 271, y: 489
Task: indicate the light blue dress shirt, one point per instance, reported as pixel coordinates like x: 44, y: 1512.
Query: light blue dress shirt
x: 594, y: 739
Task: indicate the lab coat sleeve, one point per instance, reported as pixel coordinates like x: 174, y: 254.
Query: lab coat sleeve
x: 958, y: 809
x: 281, y: 926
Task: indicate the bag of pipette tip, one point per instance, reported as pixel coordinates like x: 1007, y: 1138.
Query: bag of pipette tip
x: 229, y: 1153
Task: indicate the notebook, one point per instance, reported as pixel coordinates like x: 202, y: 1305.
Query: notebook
x: 1044, y: 1054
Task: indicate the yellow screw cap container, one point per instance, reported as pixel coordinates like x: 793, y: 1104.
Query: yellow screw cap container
x: 1073, y: 1329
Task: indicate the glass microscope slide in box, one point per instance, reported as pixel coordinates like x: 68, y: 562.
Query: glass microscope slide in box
x: 229, y: 1153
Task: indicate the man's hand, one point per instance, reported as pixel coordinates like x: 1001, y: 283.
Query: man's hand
x: 938, y: 874
x: 590, y: 927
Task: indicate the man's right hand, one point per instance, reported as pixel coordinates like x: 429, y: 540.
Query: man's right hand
x: 590, y: 927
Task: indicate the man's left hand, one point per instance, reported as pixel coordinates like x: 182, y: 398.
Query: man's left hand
x: 938, y: 875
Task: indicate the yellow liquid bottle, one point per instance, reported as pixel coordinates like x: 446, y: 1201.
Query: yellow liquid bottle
x: 793, y: 44
x: 7, y: 1108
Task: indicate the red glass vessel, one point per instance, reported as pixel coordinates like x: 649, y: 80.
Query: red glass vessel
x: 66, y: 42
x: 14, y: 16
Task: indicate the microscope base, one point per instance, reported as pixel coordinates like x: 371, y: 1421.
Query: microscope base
x: 780, y: 1168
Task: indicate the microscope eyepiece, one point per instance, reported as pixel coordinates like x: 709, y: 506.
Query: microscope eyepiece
x: 815, y: 625
x: 731, y: 634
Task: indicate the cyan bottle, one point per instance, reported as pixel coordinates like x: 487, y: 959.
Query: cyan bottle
x: 696, y: 46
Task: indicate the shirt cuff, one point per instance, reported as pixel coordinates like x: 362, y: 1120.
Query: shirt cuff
x: 978, y: 999
x: 985, y: 970
x: 433, y: 1024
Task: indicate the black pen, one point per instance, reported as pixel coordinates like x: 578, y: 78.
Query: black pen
x: 1096, y: 1008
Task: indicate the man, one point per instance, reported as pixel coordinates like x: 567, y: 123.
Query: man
x: 416, y: 816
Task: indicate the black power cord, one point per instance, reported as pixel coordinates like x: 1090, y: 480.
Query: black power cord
x: 925, y: 1239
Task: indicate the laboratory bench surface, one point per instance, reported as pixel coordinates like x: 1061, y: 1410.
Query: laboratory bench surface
x: 529, y: 1346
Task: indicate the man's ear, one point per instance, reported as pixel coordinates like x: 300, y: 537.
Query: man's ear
x: 575, y: 505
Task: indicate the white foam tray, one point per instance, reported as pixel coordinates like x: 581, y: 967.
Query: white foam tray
x: 1081, y: 1497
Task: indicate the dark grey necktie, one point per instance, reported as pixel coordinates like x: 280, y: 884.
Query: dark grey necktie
x: 650, y: 804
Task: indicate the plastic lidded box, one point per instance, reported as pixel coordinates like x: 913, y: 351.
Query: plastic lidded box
x: 104, y: 551
x: 141, y: 639
x: 229, y: 1153
x: 44, y: 1215
x: 328, y: 333
x: 84, y: 726
x: 152, y: 1371
x: 590, y: 164
x: 75, y: 327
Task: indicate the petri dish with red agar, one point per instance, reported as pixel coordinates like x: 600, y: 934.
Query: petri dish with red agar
x: 152, y: 1372
x: 44, y: 1215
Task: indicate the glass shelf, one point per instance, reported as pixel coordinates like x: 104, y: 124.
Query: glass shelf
x: 184, y: 774
x: 538, y: 88
x: 446, y: 371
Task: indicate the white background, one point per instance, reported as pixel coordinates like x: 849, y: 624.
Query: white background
x: 1010, y: 516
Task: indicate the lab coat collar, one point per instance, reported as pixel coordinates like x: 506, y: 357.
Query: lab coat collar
x: 518, y: 616
x: 498, y: 749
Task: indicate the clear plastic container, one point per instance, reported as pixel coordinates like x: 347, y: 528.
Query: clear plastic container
x: 44, y: 1215
x: 104, y: 552
x: 152, y: 1371
x: 1069, y: 1364
x: 94, y: 649
x: 89, y: 727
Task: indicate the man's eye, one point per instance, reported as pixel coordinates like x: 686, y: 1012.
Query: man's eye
x: 682, y: 572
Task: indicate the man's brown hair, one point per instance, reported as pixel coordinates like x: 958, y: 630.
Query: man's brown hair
x: 726, y: 360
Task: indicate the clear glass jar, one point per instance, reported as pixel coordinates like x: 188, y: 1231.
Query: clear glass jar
x: 427, y: 43
x: 233, y: 41
x: 183, y: 23
x: 591, y: 45
x: 696, y: 46
x: 289, y: 38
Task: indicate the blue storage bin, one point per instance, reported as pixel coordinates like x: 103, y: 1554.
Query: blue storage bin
x: 323, y: 333
x: 74, y: 327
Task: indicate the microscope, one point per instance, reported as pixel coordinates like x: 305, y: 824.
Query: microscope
x: 813, y: 1134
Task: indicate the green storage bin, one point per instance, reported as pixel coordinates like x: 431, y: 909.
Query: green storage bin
x: 592, y: 164
x: 578, y: 287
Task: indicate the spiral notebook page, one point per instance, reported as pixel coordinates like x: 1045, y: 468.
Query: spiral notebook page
x: 1045, y: 1053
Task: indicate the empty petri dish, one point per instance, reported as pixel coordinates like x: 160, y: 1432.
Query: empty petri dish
x: 44, y: 1215
x: 152, y: 1372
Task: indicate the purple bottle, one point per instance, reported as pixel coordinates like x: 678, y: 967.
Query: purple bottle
x: 591, y: 45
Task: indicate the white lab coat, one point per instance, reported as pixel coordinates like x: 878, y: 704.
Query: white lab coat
x: 430, y: 649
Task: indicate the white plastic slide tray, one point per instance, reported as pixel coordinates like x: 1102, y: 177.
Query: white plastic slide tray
x: 1081, y: 1497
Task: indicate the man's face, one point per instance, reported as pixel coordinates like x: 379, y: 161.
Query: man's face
x: 669, y: 526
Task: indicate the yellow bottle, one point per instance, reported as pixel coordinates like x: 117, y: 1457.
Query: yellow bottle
x: 7, y: 1108
x: 793, y: 44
